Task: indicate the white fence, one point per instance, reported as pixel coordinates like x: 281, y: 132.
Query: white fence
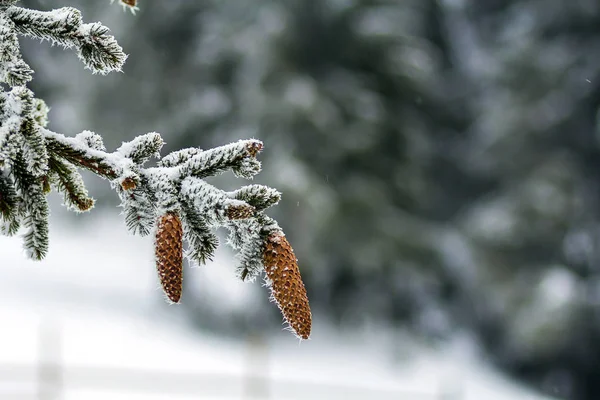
x: 51, y: 379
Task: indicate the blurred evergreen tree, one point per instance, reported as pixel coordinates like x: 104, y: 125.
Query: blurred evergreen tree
x: 441, y: 157
x: 534, y: 140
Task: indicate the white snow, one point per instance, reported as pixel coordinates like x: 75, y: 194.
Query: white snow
x: 93, y: 305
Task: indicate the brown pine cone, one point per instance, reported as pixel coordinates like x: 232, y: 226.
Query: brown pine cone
x: 287, y: 288
x: 169, y: 255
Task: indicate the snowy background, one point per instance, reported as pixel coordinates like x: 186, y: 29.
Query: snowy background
x: 84, y: 324
x: 438, y: 161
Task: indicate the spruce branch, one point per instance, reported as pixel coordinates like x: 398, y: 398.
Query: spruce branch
x: 68, y: 181
x: 78, y: 153
x: 245, y: 236
x: 178, y: 157
x: 58, y: 26
x: 142, y: 148
x: 33, y: 147
x: 8, y: 198
x: 11, y: 205
x: 36, y: 210
x: 202, y: 243
x: 138, y: 209
x: 11, y: 226
x: 171, y: 200
x: 13, y: 70
x: 259, y: 196
x: 7, y: 3
x: 39, y: 112
x: 91, y: 140
x: 212, y: 202
x: 10, y: 140
x: 240, y: 157
x: 96, y: 48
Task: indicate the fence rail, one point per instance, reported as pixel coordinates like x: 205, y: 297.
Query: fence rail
x: 51, y: 379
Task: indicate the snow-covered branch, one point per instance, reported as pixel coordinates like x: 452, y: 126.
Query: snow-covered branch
x: 98, y: 50
x: 171, y: 199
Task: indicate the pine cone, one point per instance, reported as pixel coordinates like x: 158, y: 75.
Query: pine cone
x: 287, y: 288
x: 169, y: 255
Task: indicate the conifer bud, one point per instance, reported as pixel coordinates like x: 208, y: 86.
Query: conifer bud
x: 254, y: 147
x: 169, y: 255
x: 128, y: 184
x: 131, y: 4
x: 287, y: 288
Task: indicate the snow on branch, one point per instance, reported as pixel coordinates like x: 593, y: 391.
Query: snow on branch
x: 98, y: 50
x: 171, y: 200
x: 7, y: 3
x: 13, y: 70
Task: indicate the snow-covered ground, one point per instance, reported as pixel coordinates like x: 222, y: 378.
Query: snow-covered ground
x: 91, y: 307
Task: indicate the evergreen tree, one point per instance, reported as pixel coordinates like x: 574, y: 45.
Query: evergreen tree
x: 533, y: 150
x: 172, y: 199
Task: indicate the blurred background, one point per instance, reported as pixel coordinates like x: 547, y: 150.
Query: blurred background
x: 438, y: 161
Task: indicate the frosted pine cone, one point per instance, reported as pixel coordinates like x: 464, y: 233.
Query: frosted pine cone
x: 287, y: 288
x: 169, y: 255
